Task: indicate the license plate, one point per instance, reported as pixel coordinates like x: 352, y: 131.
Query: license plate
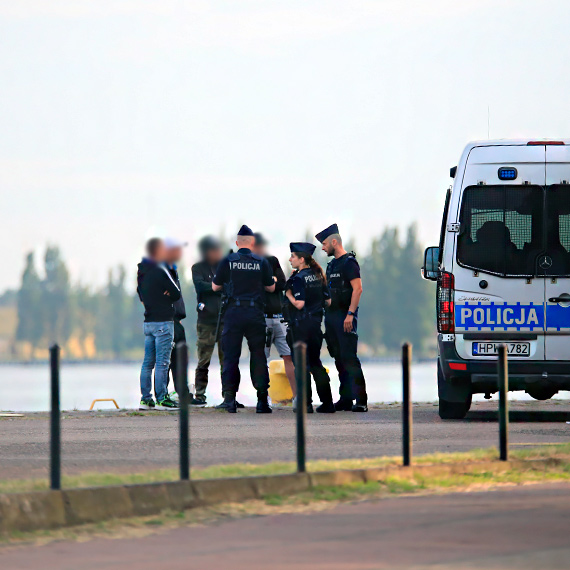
x: 491, y: 348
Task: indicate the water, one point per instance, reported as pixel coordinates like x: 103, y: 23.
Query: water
x: 26, y: 387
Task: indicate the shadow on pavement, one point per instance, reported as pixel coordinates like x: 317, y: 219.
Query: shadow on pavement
x: 520, y: 416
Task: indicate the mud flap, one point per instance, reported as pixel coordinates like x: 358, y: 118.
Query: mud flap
x: 453, y: 389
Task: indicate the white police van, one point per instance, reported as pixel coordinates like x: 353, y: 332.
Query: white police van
x: 503, y: 272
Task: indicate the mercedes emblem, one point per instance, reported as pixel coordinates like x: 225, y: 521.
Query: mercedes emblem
x: 545, y: 262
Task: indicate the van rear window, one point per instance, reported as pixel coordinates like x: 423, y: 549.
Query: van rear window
x: 501, y: 229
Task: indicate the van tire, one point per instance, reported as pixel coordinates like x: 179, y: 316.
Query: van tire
x: 453, y: 410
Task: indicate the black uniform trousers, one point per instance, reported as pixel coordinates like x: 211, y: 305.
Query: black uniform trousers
x: 342, y: 347
x: 244, y: 321
x: 179, y: 336
x: 308, y: 330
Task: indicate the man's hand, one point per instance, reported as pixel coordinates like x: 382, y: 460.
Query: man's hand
x: 348, y: 323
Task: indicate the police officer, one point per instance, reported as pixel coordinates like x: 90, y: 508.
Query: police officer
x: 244, y: 276
x: 308, y: 293
x: 345, y: 285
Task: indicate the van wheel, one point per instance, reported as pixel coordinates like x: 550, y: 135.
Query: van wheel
x: 541, y: 392
x: 453, y: 410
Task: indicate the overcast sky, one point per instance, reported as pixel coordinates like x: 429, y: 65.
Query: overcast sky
x: 124, y: 118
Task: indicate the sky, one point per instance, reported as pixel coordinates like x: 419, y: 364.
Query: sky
x: 124, y: 119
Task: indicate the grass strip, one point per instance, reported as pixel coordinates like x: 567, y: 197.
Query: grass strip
x: 94, y: 479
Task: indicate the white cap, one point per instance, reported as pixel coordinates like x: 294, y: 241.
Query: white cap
x: 171, y: 243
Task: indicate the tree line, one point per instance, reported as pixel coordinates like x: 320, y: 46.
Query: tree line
x: 106, y: 322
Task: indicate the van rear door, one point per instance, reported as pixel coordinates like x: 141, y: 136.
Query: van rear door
x: 497, y: 297
x: 555, y: 263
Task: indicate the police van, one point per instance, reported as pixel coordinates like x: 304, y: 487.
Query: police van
x: 502, y: 269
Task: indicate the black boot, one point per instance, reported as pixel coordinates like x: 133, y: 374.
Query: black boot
x: 198, y: 401
x: 360, y: 407
x: 343, y: 405
x: 263, y: 406
x: 327, y: 408
x: 310, y: 409
x: 229, y: 403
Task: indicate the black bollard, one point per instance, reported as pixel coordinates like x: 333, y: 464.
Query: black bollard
x: 300, y: 349
x: 184, y: 396
x: 503, y: 374
x: 55, y: 427
x: 406, y: 404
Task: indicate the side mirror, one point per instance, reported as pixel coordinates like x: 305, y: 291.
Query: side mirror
x: 430, y: 270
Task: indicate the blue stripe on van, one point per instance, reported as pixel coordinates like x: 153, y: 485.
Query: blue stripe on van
x: 557, y: 317
x: 499, y: 316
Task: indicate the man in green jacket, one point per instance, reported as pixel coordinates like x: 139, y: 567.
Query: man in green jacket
x: 209, y: 304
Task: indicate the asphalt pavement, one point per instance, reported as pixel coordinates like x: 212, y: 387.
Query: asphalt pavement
x: 120, y: 441
x: 519, y: 528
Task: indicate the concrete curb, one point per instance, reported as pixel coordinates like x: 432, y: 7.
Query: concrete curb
x: 55, y: 509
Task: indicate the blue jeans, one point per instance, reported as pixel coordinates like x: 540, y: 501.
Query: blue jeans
x: 158, y: 338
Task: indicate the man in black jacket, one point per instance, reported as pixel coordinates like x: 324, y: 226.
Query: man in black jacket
x: 174, y: 250
x: 158, y: 291
x: 276, y: 330
x: 209, y: 326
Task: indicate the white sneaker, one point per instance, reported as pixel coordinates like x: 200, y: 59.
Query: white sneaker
x: 167, y: 405
x: 147, y: 405
x: 294, y: 402
x: 174, y: 397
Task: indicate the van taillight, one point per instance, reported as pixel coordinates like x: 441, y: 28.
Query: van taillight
x: 445, y: 305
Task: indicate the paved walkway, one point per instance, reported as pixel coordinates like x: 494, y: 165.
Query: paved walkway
x: 521, y: 528
x: 115, y: 441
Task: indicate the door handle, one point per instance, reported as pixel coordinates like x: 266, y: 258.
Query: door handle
x: 563, y: 299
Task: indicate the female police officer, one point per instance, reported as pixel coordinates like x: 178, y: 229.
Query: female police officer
x: 307, y: 292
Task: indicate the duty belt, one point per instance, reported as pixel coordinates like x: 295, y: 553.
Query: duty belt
x: 244, y: 302
x: 315, y: 315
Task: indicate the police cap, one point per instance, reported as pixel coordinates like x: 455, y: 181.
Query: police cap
x: 302, y: 247
x: 331, y: 230
x: 245, y: 231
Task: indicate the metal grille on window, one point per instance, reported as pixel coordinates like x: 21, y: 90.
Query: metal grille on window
x: 564, y: 231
